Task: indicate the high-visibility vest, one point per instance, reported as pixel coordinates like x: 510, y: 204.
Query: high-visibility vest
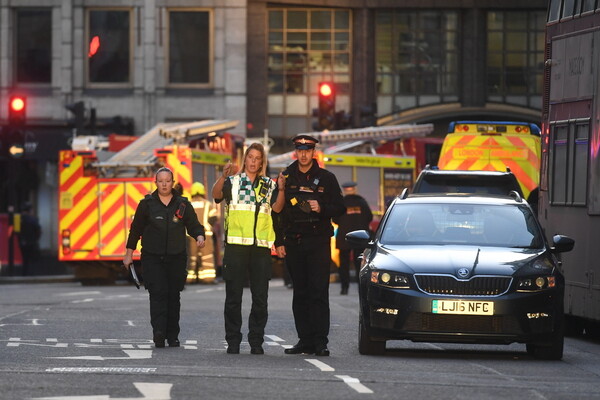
x: 204, y: 210
x: 248, y: 220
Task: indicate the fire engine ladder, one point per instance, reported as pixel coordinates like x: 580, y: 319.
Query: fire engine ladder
x: 343, y: 140
x: 138, y: 159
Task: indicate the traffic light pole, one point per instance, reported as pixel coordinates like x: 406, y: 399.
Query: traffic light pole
x: 12, y: 200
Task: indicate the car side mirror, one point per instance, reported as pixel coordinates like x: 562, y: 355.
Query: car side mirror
x: 358, y: 238
x: 562, y: 244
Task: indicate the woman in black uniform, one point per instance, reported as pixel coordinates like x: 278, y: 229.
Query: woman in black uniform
x: 161, y: 220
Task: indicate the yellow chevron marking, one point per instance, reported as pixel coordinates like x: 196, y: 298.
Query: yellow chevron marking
x: 74, y: 213
x: 89, y: 225
x: 66, y: 173
x: 116, y: 218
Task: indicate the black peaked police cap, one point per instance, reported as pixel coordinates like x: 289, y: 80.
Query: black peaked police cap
x: 304, y: 142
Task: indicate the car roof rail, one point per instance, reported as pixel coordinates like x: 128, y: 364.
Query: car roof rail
x: 516, y: 196
x: 508, y: 169
x: 404, y: 194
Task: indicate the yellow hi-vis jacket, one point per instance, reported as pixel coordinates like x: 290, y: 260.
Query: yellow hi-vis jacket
x: 248, y: 218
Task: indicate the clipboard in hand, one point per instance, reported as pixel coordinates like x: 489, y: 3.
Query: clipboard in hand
x: 134, y: 276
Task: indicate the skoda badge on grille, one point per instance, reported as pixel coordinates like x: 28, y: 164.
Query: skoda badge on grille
x: 463, y: 272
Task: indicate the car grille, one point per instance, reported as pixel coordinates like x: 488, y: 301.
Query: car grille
x: 447, y: 285
x: 462, y: 323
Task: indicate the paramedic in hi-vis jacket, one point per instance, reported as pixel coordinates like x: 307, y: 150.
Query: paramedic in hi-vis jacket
x: 161, y: 220
x: 250, y: 198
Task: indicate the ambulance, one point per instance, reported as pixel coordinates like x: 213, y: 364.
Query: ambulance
x: 99, y: 190
x: 495, y: 146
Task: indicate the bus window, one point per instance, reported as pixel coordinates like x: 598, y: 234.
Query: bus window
x: 588, y: 5
x: 554, y: 10
x: 567, y: 10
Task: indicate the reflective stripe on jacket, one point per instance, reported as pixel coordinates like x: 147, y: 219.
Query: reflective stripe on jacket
x: 249, y: 212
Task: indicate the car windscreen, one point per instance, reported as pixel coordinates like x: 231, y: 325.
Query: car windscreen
x: 461, y: 224
x: 468, y: 184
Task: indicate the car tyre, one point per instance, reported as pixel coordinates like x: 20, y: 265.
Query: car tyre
x: 552, y: 350
x: 366, y: 346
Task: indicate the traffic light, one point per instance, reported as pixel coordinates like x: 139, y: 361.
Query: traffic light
x: 326, y: 107
x: 17, y: 109
x: 13, y: 134
x: 343, y: 120
x: 78, y: 110
x: 368, y: 115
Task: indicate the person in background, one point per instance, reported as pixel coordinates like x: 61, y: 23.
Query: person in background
x: 161, y: 220
x: 250, y: 197
x: 358, y: 216
x: 29, y: 238
x: 312, y: 198
x: 202, y: 261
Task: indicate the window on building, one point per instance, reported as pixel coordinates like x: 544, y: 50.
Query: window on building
x: 416, y: 59
x: 190, y: 48
x: 570, y: 147
x: 515, y: 57
x: 306, y: 46
x: 109, y: 46
x: 33, y: 45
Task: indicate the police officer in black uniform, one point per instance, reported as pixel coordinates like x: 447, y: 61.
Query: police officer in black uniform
x: 161, y: 220
x: 358, y: 216
x: 312, y: 197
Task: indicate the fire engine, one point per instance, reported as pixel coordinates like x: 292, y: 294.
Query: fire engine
x: 494, y: 146
x: 99, y: 190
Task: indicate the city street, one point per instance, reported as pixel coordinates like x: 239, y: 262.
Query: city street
x: 67, y: 341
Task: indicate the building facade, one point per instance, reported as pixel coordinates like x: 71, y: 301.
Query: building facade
x: 135, y: 63
x: 405, y: 61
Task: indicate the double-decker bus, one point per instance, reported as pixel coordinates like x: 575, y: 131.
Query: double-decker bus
x: 569, y: 199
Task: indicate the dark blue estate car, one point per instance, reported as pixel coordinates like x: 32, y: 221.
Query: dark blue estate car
x: 461, y: 268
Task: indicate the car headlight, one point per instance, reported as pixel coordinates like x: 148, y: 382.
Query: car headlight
x: 390, y: 279
x: 535, y: 283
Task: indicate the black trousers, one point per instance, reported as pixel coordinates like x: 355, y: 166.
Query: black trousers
x: 240, y: 264
x: 309, y: 259
x: 164, y: 278
x: 345, y: 256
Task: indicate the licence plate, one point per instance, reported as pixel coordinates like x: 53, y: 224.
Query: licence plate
x: 462, y: 307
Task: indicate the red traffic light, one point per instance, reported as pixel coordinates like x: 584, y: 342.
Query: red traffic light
x: 325, y: 89
x: 94, y: 46
x: 325, y: 112
x: 17, y: 104
x: 17, y: 107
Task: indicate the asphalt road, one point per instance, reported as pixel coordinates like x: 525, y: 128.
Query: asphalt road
x: 66, y: 341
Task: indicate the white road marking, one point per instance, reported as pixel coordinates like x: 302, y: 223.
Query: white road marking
x: 354, y: 384
x: 131, y: 355
x: 82, y: 301
x: 87, y: 293
x: 275, y: 338
x: 191, y: 341
x: 319, y: 364
x: 16, y: 342
x: 204, y: 290
x: 34, y: 322
x: 130, y: 323
x: 126, y: 370
x: 149, y: 391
